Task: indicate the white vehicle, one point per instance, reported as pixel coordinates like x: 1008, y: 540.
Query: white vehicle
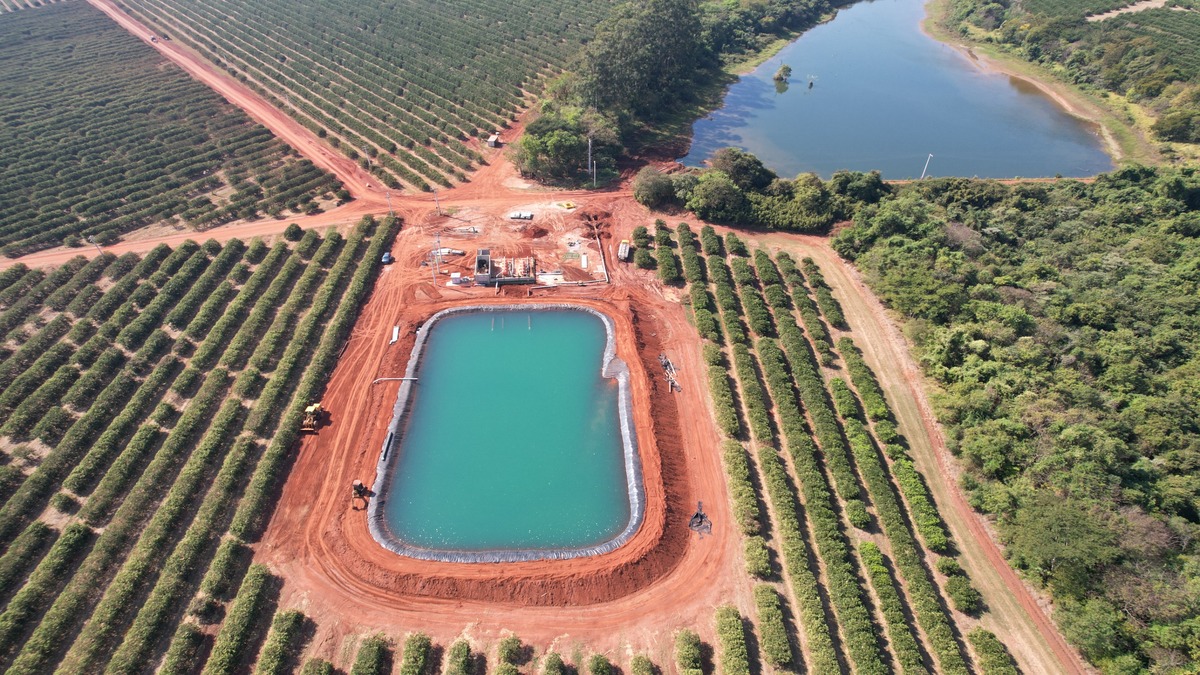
x: 521, y: 215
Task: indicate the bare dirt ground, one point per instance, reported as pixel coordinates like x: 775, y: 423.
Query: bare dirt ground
x: 630, y: 599
x: 1128, y: 9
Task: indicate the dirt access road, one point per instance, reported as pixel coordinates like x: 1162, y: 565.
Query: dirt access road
x: 1016, y: 612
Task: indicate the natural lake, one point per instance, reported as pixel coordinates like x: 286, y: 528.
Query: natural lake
x: 885, y: 96
x: 513, y: 439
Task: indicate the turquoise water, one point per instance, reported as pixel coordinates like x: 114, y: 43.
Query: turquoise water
x: 513, y: 439
x: 885, y: 97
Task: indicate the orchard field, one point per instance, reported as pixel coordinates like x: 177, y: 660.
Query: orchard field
x: 99, y: 136
x: 150, y: 405
x: 850, y: 544
x: 401, y: 90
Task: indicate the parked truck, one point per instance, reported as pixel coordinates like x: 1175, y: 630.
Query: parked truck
x: 624, y: 251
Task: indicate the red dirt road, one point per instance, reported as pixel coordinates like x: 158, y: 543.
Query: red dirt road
x: 286, y: 128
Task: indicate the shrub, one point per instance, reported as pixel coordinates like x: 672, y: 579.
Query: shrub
x: 641, y: 665
x: 874, y: 402
x: 254, y: 507
x: 757, y: 314
x: 21, y: 614
x: 856, y: 513
x: 713, y: 355
x: 185, y: 650
x: 994, y: 658
x: 689, y: 654
x: 256, y: 251
x: 776, y: 647
x: 731, y: 634
x: 458, y: 659
x: 925, y: 514
x: 643, y: 259
x: 373, y: 657
x: 741, y: 489
x: 922, y: 593
x: 949, y: 567
x: 710, y: 243
x: 64, y: 503
x: 641, y: 237
x: 752, y: 395
x: 768, y: 274
x: 662, y: 234
x: 509, y: 650
x: 758, y: 558
x: 825, y: 300
x: 293, y: 232
x: 735, y: 246
x: 904, y: 643
x: 318, y: 667
x: 844, y: 400
x: 232, y: 646
x: 598, y: 664
x: 668, y: 266
x: 964, y: 596
x: 553, y: 665
x: 279, y: 654
x: 707, y: 326
x: 416, y: 653
x: 23, y: 552
x: 845, y: 592
x: 723, y: 405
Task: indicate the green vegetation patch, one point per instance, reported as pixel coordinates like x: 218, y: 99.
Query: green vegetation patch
x: 1061, y: 323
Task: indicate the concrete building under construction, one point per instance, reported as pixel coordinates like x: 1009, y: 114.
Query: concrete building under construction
x: 501, y: 271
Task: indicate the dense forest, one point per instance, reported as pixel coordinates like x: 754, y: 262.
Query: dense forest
x: 1151, y: 57
x: 646, y: 63
x: 1061, y: 325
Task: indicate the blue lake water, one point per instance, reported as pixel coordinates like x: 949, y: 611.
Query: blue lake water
x: 513, y: 439
x: 885, y: 96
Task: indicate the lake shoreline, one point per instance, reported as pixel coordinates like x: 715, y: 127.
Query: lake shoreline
x: 1070, y: 99
x: 1057, y: 131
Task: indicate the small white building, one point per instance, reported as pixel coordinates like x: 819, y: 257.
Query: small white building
x: 493, y: 141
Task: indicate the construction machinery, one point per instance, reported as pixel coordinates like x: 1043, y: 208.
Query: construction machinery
x: 312, y: 417
x: 359, y: 491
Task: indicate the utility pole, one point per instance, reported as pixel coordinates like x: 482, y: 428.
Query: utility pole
x: 437, y: 257
x: 926, y: 166
x: 388, y: 194
x: 91, y: 240
x: 591, y: 165
x: 438, y: 203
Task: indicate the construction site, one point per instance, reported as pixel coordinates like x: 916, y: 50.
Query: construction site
x: 551, y: 244
x: 474, y: 254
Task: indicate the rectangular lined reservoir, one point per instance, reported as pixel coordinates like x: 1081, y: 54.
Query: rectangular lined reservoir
x: 514, y: 441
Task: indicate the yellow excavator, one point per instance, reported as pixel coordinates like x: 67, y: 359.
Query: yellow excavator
x: 312, y: 417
